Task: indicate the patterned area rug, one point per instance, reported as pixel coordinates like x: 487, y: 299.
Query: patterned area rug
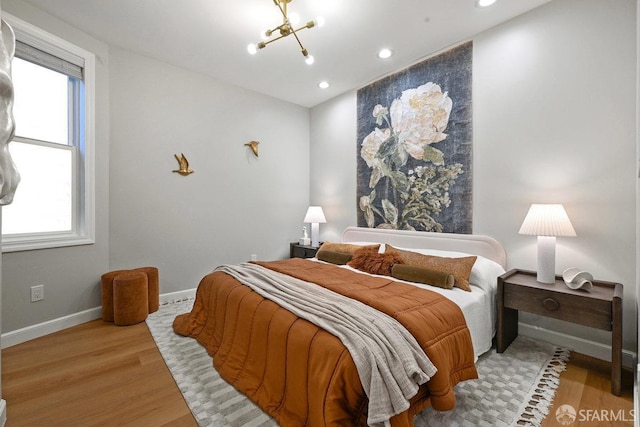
x: 515, y: 388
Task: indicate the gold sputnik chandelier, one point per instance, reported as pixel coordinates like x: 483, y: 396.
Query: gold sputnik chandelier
x: 286, y: 29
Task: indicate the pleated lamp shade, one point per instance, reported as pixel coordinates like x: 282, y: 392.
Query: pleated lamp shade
x: 547, y: 220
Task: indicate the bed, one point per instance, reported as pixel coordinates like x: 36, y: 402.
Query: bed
x: 295, y: 367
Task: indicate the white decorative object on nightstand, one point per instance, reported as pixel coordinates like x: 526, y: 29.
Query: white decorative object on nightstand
x: 576, y: 279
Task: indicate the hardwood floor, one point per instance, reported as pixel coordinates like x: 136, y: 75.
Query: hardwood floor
x: 586, y: 386
x: 98, y: 374
x: 95, y: 374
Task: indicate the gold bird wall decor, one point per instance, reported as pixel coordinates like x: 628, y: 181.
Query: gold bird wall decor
x: 184, y: 165
x: 254, y: 146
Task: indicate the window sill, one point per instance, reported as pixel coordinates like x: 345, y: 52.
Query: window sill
x: 48, y: 241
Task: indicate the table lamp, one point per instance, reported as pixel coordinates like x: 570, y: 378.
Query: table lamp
x: 315, y: 216
x: 547, y: 221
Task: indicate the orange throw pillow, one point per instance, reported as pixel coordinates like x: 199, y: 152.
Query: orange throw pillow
x: 459, y: 267
x: 369, y: 260
x: 344, y: 248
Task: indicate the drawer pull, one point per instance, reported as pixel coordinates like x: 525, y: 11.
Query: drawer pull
x: 551, y: 304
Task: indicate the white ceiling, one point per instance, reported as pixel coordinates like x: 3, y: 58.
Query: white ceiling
x: 211, y: 37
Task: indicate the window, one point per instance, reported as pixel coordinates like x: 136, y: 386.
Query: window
x: 53, y: 146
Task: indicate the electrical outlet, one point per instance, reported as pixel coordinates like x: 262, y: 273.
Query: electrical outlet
x: 254, y: 257
x: 37, y: 293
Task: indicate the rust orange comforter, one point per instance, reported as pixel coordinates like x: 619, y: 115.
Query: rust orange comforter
x: 300, y: 374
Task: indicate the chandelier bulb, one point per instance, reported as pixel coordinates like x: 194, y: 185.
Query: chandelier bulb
x: 309, y: 59
x: 294, y: 18
x: 252, y: 49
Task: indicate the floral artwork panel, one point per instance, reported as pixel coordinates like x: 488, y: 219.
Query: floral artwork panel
x: 415, y: 147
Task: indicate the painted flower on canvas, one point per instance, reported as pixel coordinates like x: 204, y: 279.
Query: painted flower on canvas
x: 409, y: 180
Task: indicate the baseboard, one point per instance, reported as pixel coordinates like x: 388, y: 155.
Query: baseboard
x: 19, y: 336
x: 580, y: 345
x: 173, y: 297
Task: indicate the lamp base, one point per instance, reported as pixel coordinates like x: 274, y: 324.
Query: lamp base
x: 546, y: 259
x: 315, y: 231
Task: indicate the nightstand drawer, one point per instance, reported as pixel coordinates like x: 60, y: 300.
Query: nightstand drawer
x: 302, y: 251
x: 572, y: 308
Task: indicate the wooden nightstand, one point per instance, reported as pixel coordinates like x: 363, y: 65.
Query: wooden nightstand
x: 296, y: 250
x: 600, y: 308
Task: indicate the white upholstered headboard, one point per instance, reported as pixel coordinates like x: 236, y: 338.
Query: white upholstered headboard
x: 474, y: 244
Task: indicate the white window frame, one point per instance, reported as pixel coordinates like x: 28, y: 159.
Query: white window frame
x: 83, y: 228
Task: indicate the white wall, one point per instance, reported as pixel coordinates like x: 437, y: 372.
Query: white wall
x: 71, y: 275
x: 234, y: 205
x: 554, y: 122
x: 333, y: 164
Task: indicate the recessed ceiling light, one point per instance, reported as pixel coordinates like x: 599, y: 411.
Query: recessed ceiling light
x: 323, y: 85
x: 484, y: 3
x: 384, y: 54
